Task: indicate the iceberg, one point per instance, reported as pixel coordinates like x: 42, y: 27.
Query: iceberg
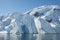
x: 46, y: 18
x: 43, y: 19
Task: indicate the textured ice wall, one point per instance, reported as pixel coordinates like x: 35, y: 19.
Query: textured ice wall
x: 43, y: 19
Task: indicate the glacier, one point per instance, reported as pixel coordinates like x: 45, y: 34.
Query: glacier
x: 46, y: 18
x: 43, y: 19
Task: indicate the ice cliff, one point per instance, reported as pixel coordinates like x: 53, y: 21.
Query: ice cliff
x: 43, y: 19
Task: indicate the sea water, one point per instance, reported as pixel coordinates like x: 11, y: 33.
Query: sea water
x: 30, y: 36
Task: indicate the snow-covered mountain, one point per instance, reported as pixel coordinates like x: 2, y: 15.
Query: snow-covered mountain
x: 44, y: 19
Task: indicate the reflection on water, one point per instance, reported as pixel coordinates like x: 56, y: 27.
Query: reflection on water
x: 30, y: 37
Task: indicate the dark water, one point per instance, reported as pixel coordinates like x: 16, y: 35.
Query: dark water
x: 30, y: 37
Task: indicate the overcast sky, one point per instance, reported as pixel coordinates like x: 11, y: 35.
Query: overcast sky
x: 9, y: 6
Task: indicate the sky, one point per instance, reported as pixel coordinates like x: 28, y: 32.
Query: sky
x: 10, y: 6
